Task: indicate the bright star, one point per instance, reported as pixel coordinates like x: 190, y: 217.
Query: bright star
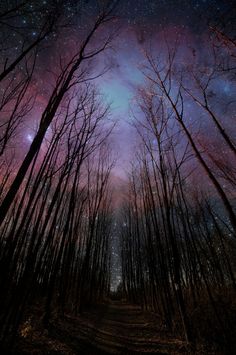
x: 29, y: 138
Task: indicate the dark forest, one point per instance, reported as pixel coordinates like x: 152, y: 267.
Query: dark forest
x: 117, y: 177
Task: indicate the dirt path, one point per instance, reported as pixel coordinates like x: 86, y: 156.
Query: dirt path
x: 114, y: 328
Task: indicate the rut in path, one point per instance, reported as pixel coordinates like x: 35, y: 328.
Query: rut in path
x: 116, y: 328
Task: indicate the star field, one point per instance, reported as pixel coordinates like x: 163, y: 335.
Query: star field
x: 142, y: 26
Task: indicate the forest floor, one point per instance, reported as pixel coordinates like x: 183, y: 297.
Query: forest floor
x: 114, y: 328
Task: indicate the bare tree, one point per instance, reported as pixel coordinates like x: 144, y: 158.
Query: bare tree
x: 68, y: 78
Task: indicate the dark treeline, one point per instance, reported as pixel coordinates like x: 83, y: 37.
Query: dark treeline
x: 55, y: 215
x: 178, y: 225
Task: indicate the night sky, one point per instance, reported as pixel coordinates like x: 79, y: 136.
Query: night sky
x: 140, y: 25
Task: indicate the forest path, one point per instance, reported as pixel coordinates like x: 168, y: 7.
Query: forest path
x: 115, y: 328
